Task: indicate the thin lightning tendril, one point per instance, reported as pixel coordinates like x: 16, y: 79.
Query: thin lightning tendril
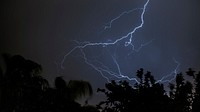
x: 103, y: 69
x: 118, y: 17
x: 173, y: 73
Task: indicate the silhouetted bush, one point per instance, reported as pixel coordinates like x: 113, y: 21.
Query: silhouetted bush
x: 149, y: 96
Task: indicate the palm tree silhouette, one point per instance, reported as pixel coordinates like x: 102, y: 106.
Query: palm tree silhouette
x: 74, y: 89
x: 63, y: 97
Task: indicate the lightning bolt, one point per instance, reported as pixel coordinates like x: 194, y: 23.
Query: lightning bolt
x: 166, y: 78
x: 118, y: 17
x: 127, y: 40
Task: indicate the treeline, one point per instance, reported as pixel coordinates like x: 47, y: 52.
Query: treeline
x: 23, y: 89
x: 150, y: 96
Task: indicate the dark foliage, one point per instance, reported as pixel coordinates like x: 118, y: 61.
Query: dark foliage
x: 149, y: 96
x: 146, y: 96
x: 23, y: 89
x: 196, y: 94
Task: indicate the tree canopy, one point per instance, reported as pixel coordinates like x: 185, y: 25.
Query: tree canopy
x: 150, y: 96
x: 23, y: 89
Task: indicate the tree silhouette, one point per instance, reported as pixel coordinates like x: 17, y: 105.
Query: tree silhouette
x: 74, y: 88
x: 145, y: 96
x: 22, y: 86
x: 23, y: 89
x: 89, y: 108
x: 181, y: 93
x: 196, y: 95
x: 62, y: 97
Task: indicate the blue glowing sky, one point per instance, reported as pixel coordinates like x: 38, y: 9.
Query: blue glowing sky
x: 46, y: 30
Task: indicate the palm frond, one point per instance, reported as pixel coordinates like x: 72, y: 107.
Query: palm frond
x: 79, y: 89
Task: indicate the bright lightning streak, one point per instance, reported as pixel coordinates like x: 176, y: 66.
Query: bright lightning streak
x: 130, y: 35
x: 105, y: 71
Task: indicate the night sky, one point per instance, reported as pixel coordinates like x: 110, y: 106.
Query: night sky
x: 46, y: 30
